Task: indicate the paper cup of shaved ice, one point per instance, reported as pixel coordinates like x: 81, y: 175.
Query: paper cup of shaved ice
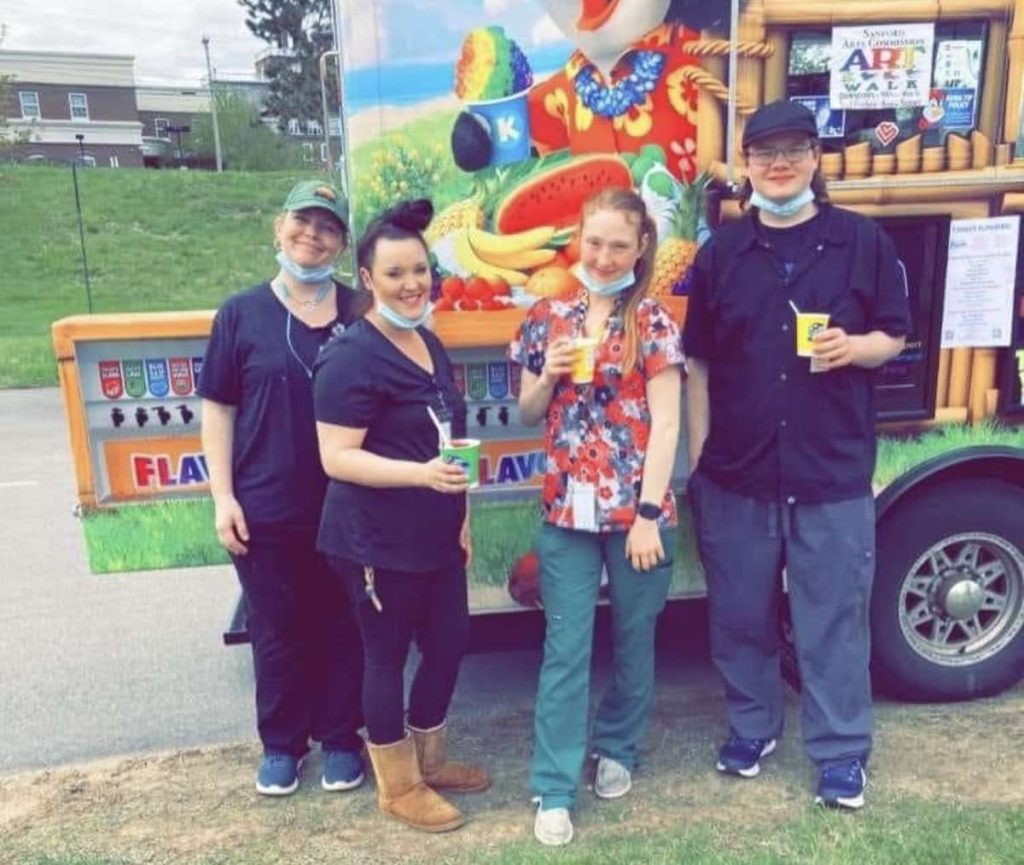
x: 492, y: 78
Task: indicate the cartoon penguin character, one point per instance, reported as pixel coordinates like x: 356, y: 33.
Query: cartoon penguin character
x: 625, y: 85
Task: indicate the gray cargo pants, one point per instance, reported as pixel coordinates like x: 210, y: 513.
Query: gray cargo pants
x: 828, y: 552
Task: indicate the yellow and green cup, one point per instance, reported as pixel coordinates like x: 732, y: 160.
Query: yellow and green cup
x: 808, y: 326
x: 584, y: 359
x: 464, y: 453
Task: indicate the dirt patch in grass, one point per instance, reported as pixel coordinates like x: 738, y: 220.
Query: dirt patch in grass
x: 199, y: 806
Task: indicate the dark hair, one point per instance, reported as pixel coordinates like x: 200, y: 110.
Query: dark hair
x: 407, y: 219
x: 627, y: 201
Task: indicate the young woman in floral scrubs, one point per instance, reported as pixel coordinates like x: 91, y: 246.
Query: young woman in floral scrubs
x: 606, y: 502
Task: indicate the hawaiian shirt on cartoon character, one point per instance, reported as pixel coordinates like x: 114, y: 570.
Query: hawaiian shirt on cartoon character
x: 628, y: 83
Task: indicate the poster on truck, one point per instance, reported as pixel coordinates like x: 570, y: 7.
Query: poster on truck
x: 509, y: 115
x: 504, y: 115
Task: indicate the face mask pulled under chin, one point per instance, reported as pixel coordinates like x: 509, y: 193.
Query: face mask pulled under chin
x: 789, y: 207
x: 403, y: 322
x: 604, y: 289
x: 306, y: 275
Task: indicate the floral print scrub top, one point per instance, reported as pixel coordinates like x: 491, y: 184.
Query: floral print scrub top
x: 597, y: 434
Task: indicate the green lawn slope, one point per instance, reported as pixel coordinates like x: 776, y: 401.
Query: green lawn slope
x: 156, y: 240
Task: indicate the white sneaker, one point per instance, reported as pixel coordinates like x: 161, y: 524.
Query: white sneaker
x: 553, y: 827
x: 613, y: 780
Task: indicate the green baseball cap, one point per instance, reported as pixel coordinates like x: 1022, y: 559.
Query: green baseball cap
x: 316, y: 193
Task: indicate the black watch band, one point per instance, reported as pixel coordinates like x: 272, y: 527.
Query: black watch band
x: 648, y: 510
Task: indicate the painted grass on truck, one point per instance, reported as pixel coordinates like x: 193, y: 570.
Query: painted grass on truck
x: 179, y: 534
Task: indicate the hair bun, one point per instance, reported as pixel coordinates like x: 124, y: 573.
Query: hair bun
x: 411, y: 215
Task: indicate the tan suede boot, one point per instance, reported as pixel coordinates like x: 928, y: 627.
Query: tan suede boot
x: 441, y: 774
x: 402, y: 793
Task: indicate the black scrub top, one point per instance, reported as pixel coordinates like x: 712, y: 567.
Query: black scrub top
x: 363, y: 381
x: 259, y: 359
x: 779, y: 431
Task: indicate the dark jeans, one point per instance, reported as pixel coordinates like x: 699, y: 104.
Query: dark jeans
x: 306, y: 650
x: 431, y: 607
x: 828, y: 551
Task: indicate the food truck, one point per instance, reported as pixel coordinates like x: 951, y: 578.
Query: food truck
x: 508, y: 115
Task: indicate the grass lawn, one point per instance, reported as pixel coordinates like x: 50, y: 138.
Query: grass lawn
x: 944, y: 790
x: 156, y: 240
x: 906, y: 833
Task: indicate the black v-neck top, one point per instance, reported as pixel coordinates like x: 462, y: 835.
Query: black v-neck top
x: 363, y: 381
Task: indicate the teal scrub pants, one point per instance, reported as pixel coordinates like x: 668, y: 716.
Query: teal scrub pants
x: 570, y: 576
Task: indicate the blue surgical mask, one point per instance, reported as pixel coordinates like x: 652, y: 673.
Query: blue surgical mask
x: 306, y: 275
x: 604, y: 289
x: 404, y: 322
x: 790, y: 207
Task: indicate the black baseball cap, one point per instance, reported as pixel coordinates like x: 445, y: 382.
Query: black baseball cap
x: 779, y: 116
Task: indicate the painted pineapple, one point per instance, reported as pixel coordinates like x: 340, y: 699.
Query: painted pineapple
x: 459, y: 215
x: 677, y: 251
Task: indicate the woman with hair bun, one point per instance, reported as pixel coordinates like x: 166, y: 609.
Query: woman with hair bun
x: 395, y: 521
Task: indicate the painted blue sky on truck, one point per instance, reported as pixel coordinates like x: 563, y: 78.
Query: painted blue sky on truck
x: 426, y: 31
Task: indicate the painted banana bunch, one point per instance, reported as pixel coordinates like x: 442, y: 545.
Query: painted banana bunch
x: 504, y: 256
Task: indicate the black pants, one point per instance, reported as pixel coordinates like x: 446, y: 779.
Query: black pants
x: 431, y: 607
x: 306, y: 649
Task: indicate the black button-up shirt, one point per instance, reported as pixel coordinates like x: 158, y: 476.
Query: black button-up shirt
x: 779, y: 431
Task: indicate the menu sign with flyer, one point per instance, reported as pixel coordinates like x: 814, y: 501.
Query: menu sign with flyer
x: 881, y: 66
x: 980, y: 282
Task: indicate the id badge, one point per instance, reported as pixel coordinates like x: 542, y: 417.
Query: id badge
x: 584, y: 506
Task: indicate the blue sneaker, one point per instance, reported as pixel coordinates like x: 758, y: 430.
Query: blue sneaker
x: 740, y: 756
x: 841, y: 785
x: 278, y: 775
x: 343, y: 770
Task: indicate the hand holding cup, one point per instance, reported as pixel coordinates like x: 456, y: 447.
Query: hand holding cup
x: 833, y: 349
x: 558, y: 359
x: 444, y: 477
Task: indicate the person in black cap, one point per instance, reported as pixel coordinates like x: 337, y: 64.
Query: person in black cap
x: 268, y: 487
x: 782, y: 448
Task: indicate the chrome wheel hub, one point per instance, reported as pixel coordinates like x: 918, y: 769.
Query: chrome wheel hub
x: 962, y: 601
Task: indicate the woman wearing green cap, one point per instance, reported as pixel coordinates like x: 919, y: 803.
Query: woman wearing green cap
x: 260, y: 442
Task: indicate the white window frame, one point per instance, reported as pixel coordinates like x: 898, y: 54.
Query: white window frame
x: 114, y: 161
x: 157, y: 131
x: 85, y: 105
x: 294, y: 127
x: 28, y: 115
x: 307, y: 151
x: 314, y: 127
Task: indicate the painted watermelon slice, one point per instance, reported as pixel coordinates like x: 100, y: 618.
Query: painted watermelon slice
x: 555, y: 195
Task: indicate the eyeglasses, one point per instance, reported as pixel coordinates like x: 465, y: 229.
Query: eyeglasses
x: 767, y: 155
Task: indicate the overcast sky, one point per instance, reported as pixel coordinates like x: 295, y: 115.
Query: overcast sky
x: 164, y: 37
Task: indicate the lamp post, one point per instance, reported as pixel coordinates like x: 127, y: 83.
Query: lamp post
x: 213, y: 106
x: 80, y: 138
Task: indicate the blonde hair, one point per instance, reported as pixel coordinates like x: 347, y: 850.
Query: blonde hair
x: 629, y: 203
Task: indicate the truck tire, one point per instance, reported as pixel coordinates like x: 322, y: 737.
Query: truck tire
x: 948, y: 601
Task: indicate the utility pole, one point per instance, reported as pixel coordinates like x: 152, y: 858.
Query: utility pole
x: 213, y: 105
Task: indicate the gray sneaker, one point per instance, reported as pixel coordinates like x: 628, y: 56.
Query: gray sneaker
x: 553, y: 827
x: 613, y: 780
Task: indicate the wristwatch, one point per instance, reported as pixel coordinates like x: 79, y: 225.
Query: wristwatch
x: 648, y: 510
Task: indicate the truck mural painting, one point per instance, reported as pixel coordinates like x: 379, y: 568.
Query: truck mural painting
x: 508, y: 115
